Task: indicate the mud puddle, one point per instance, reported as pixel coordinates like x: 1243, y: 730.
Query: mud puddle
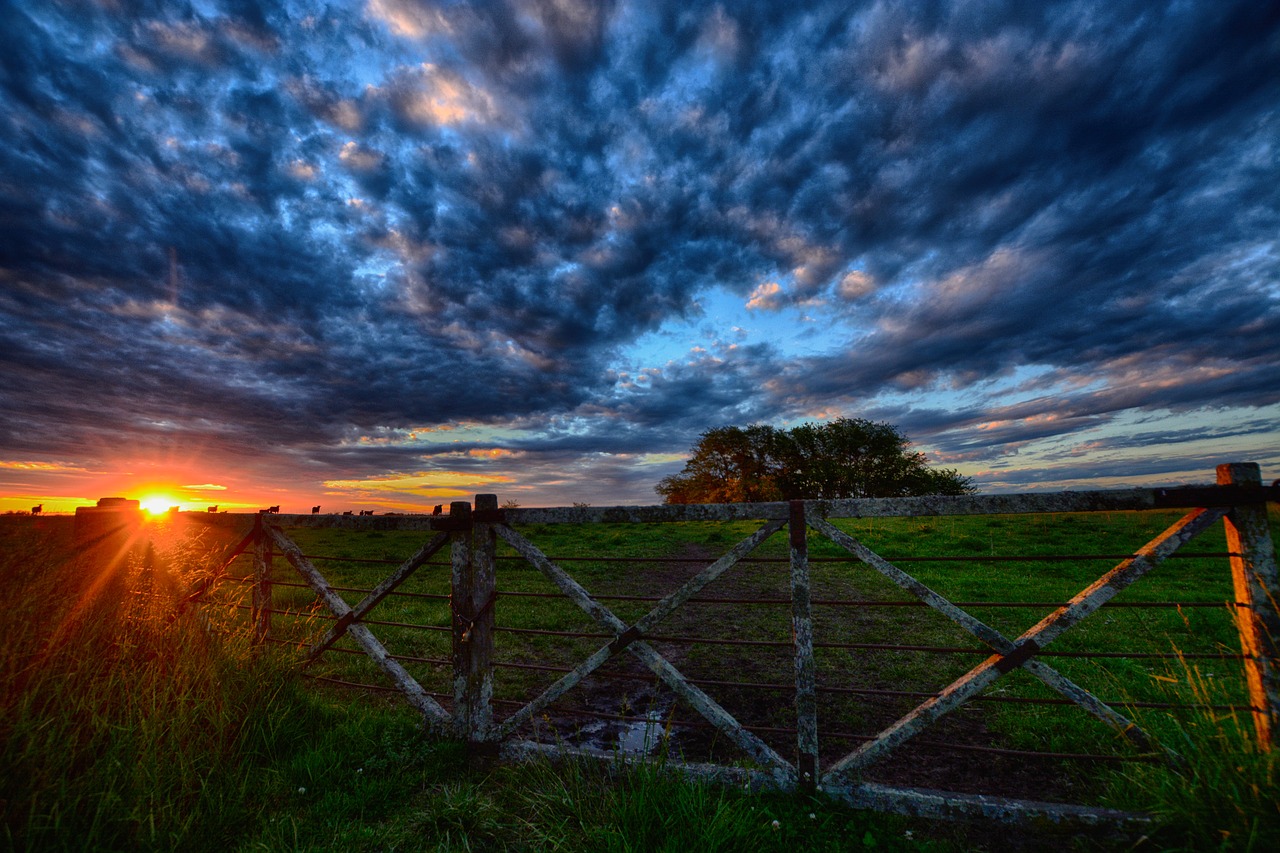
x: 632, y: 725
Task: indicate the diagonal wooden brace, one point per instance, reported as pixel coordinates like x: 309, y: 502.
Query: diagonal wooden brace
x: 1044, y: 632
x: 659, y: 665
x: 375, y: 596
x: 695, y: 584
x: 1017, y: 656
x: 205, y: 584
x: 993, y: 638
x: 436, y: 718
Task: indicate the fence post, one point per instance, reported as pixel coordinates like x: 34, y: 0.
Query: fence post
x: 1253, y: 571
x: 802, y: 631
x: 262, y: 557
x: 483, y: 598
x: 471, y: 603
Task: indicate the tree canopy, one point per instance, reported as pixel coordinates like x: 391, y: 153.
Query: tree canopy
x: 844, y: 458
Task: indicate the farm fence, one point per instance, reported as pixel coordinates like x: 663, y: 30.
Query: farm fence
x: 470, y: 538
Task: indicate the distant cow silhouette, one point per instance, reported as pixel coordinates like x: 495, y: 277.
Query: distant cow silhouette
x: 439, y: 509
x: 366, y: 512
x: 213, y: 508
x: 315, y: 510
x: 37, y: 509
x: 348, y: 512
x: 275, y: 508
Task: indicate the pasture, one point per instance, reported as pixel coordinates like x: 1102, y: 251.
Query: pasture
x: 123, y: 727
x: 870, y: 641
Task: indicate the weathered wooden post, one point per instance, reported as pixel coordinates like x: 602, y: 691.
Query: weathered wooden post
x: 1253, y: 571
x: 472, y: 605
x: 802, y: 631
x: 483, y: 597
x: 460, y: 608
x: 262, y: 556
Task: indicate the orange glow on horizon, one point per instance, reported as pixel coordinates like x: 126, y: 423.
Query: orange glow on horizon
x: 156, y: 504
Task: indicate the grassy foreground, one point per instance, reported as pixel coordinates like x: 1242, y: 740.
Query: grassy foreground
x: 123, y: 730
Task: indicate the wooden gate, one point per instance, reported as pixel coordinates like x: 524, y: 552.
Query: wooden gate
x: 1239, y: 499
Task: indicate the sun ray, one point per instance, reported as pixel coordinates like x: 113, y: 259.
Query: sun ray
x: 156, y: 503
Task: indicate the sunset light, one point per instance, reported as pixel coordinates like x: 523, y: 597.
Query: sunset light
x: 353, y: 354
x: 394, y: 281
x: 157, y: 504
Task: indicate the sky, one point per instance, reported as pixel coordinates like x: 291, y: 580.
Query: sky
x: 388, y: 254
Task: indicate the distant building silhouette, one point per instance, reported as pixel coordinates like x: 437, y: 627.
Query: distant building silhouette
x: 112, y: 516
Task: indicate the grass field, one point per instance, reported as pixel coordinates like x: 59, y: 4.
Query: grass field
x: 122, y: 730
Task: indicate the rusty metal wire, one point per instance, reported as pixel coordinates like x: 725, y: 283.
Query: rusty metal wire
x: 787, y: 644
x: 359, y: 590
x: 871, y: 603
x: 445, y: 628
x: 329, y: 617
x: 853, y: 691
x: 783, y: 601
x: 1046, y: 605
x: 846, y: 691
x: 847, y: 736
x: 987, y: 558
x: 1043, y: 605
x: 871, y: 691
x: 781, y: 644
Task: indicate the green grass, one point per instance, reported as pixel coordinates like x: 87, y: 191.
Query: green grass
x: 1055, y: 728
x: 1225, y: 794
x: 120, y: 729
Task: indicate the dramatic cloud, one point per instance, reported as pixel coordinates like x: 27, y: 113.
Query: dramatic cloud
x: 404, y: 249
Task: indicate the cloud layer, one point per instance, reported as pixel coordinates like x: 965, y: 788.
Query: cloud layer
x: 293, y: 237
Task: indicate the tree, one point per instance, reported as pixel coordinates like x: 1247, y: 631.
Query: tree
x: 729, y: 465
x: 844, y: 458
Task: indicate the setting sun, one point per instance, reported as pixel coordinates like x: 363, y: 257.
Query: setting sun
x: 157, y: 504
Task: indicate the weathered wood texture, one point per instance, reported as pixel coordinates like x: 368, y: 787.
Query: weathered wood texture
x: 648, y: 623
x: 1033, y: 640
x: 915, y: 802
x: 802, y: 634
x: 469, y: 705
x: 377, y: 594
x: 1254, y: 575
x: 993, y: 638
x: 660, y: 666
x: 474, y: 595
x: 262, y: 557
x: 436, y: 718
x: 473, y: 536
x: 663, y: 609
x: 1083, y: 501
x: 1110, y: 500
